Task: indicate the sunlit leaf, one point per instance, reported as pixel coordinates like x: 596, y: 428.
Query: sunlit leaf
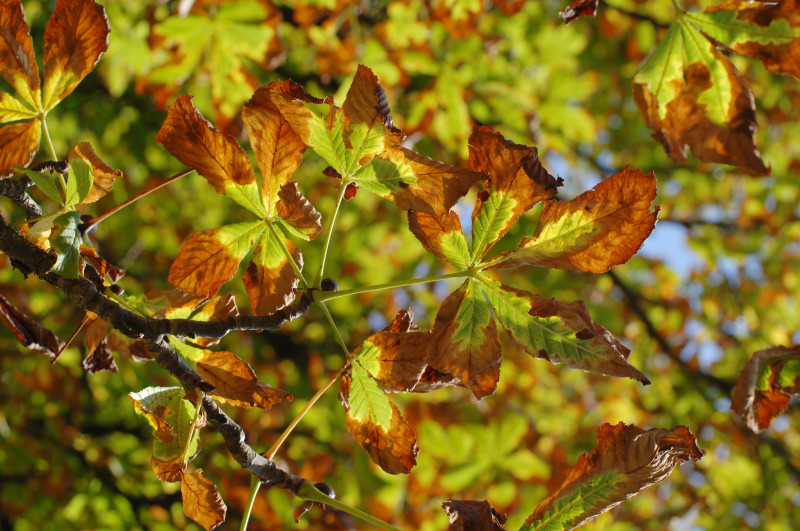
x: 16, y: 54
x: 152, y: 402
x: 215, y: 155
x: 66, y: 241
x: 559, y: 332
x: 231, y: 377
x: 218, y: 308
x: 516, y: 182
x: 75, y: 38
x: 298, y: 211
x: 442, y: 236
x: 376, y: 423
x: 598, y: 229
x: 103, y: 175
x: 79, y: 181
x: 625, y: 461
x: 395, y: 360
x: 30, y: 333
x: 269, y: 278
x: 13, y: 109
x: 766, y: 385
x: 473, y: 515
x: 201, y: 500
x: 209, y: 259
x: 278, y: 149
x: 19, y: 142
x: 465, y: 340
x: 46, y: 181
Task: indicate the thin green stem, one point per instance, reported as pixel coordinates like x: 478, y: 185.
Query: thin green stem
x: 309, y: 492
x: 329, y: 232
x: 328, y: 315
x: 135, y: 198
x: 255, y: 484
x: 288, y: 255
x: 329, y: 295
x: 193, y: 427
x: 53, y: 152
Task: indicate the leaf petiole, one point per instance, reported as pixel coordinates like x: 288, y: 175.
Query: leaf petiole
x: 329, y: 295
x: 309, y: 492
x: 328, y: 234
x: 193, y: 427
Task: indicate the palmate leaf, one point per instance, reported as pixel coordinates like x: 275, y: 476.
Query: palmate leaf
x: 691, y: 95
x: 361, y: 145
x: 269, y: 278
x: 766, y: 385
x: 76, y: 36
x: 625, y: 461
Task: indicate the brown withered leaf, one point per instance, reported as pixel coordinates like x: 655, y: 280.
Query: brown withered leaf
x: 170, y: 469
x: 278, y: 149
x: 578, y: 9
x: 376, y: 423
x: 516, y: 181
x: 395, y: 359
x: 269, y: 279
x: 30, y: 333
x: 265, y: 396
x: 124, y: 346
x: 191, y: 139
x: 465, y: 343
x: 473, y: 515
x: 366, y: 105
x: 19, y: 142
x: 210, y: 258
x: 438, y: 185
x: 232, y: 377
x: 100, y: 264
x: 75, y: 38
x: 104, y: 176
x: 441, y: 236
x: 201, y: 500
x: 99, y: 359
x: 687, y: 123
x: 625, y: 461
x: 766, y: 385
x: 601, y: 228
x: 433, y: 380
x: 298, y: 211
x: 17, y: 59
x: 779, y: 58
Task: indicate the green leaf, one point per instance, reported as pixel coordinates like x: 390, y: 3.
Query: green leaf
x: 569, y: 509
x: 80, y: 178
x: 664, y: 68
x: 493, y: 220
x: 365, y: 140
x: 725, y: 27
x: 45, y: 181
x: 383, y: 176
x: 66, y: 241
x: 327, y: 142
x: 368, y: 402
x: 247, y: 195
x: 13, y: 109
x: 719, y: 97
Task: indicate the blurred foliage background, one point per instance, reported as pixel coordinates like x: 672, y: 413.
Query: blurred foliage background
x: 717, y: 280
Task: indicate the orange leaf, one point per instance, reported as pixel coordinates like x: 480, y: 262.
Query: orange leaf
x: 210, y: 258
x: 201, y: 500
x: 473, y: 515
x: 600, y: 228
x: 265, y: 396
x: 270, y: 279
x: 465, y: 342
x: 687, y: 123
x: 766, y: 385
x: 19, y: 142
x: 232, y: 377
x: 298, y: 211
x: 75, y: 38
x: 441, y: 236
x: 192, y: 139
x: 104, y: 176
x: 278, y: 149
x: 626, y: 460
x: 16, y: 54
x: 218, y: 308
x: 170, y: 469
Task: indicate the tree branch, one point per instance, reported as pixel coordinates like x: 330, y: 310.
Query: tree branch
x: 16, y: 189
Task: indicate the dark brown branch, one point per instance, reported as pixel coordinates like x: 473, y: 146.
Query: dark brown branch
x: 84, y: 293
x: 16, y: 189
x: 633, y: 302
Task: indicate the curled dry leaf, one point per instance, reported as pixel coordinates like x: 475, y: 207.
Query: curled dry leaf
x: 602, y: 227
x: 30, y: 333
x: 766, y: 385
x: 99, y: 357
x: 104, y: 176
x: 201, y: 500
x: 625, y: 461
x: 298, y: 211
x: 473, y: 515
x: 578, y: 9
